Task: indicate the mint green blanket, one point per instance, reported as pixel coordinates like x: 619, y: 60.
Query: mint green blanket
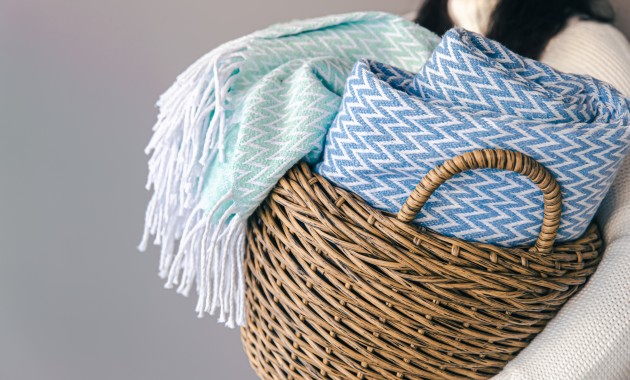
x: 235, y: 121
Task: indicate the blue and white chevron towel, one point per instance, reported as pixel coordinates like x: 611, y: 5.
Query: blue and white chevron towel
x: 394, y: 127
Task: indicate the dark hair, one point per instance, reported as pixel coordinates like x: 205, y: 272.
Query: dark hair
x: 524, y: 26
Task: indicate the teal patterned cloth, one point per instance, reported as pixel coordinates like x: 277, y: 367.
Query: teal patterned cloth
x: 235, y: 122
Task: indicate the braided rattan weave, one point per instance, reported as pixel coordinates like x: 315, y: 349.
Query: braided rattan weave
x: 337, y: 289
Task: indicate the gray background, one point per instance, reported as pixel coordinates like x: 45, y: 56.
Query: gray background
x: 78, y: 82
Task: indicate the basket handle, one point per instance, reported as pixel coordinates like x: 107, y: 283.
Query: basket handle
x: 493, y: 159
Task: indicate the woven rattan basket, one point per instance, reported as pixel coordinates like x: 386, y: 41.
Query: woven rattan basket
x: 337, y: 289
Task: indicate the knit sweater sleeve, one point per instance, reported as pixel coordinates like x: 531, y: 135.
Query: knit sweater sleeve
x: 593, y: 48
x: 589, y: 338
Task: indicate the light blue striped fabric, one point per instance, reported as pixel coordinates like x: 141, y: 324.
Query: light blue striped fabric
x: 473, y: 93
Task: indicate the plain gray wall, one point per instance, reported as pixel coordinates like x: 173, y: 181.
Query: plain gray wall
x: 78, y: 82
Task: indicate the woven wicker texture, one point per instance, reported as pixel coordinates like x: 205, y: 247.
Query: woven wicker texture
x: 337, y: 289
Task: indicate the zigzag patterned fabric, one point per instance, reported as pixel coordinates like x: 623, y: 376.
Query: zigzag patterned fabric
x: 474, y: 93
x: 234, y: 123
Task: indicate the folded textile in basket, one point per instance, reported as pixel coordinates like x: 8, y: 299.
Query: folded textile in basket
x: 234, y: 123
x: 473, y: 93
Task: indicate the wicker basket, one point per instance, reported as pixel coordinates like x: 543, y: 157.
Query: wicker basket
x: 337, y: 289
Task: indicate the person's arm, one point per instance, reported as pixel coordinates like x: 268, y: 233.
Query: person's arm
x: 589, y: 338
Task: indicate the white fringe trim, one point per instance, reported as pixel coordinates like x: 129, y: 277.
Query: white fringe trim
x: 189, y: 133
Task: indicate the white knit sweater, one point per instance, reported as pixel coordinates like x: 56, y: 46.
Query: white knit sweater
x: 590, y: 337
